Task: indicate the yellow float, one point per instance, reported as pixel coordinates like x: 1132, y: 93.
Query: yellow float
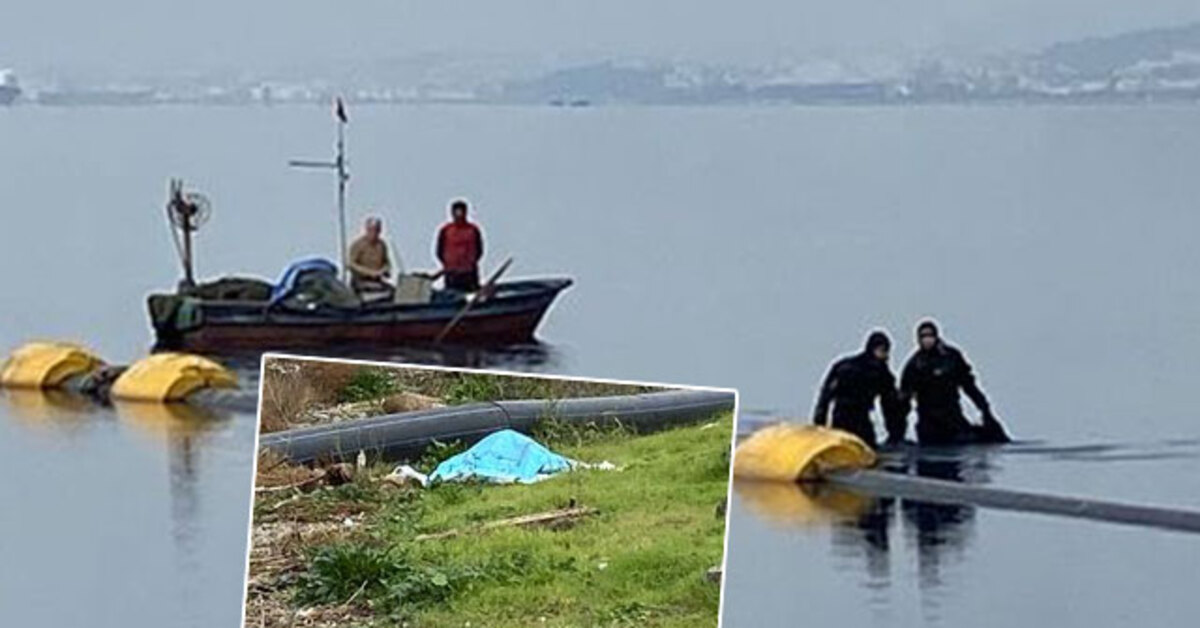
x: 167, y: 377
x: 788, y: 452
x: 47, y: 365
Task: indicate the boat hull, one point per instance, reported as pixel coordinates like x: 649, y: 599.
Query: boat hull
x: 510, y: 317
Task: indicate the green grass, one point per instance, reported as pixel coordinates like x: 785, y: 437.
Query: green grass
x: 639, y: 562
x: 460, y: 388
x: 293, y: 388
x: 368, y: 384
x: 387, y: 576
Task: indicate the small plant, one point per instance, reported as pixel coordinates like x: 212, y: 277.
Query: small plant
x: 389, y: 578
x: 554, y: 432
x: 471, y: 388
x: 368, y: 384
x: 437, y: 452
x: 454, y: 493
x: 337, y: 572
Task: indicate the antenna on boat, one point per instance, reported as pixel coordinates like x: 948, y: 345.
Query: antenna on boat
x: 343, y: 176
x: 187, y: 211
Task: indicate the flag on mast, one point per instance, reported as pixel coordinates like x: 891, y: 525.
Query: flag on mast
x: 339, y: 109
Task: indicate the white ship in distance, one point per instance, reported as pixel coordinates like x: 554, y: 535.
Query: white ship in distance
x: 9, y: 88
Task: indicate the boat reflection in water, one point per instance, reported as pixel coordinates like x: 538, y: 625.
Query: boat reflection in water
x: 521, y: 357
x: 534, y: 356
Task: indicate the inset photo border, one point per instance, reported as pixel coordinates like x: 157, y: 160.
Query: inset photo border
x: 405, y: 495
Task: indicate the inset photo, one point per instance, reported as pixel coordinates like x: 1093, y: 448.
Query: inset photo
x: 390, y: 495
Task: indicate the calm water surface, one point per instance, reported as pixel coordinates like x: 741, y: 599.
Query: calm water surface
x: 127, y: 516
x: 722, y: 246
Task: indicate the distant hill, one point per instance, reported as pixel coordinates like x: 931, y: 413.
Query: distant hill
x: 598, y: 83
x: 1102, y: 57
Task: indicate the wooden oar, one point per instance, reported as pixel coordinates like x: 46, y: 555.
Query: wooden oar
x: 480, y: 295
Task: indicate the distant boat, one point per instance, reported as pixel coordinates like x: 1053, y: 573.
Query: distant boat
x: 9, y: 89
x: 578, y: 102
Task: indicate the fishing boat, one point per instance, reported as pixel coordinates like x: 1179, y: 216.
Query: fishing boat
x: 510, y: 315
x: 312, y: 305
x: 244, y: 314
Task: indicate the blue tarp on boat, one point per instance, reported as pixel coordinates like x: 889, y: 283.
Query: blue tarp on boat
x: 505, y: 456
x: 287, y: 282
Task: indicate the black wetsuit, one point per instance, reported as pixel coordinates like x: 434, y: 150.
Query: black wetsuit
x: 935, y: 377
x: 852, y: 385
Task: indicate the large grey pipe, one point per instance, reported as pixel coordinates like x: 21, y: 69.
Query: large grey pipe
x: 943, y: 491
x: 409, y: 433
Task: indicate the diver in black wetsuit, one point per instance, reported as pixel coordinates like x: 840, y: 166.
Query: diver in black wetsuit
x: 853, y: 384
x: 934, y: 375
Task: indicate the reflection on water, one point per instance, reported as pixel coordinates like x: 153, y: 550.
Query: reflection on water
x: 942, y: 530
x: 863, y: 560
x: 182, y: 430
x: 865, y: 528
x: 534, y: 356
x: 821, y: 555
x: 796, y: 504
x: 49, y: 410
x: 164, y: 495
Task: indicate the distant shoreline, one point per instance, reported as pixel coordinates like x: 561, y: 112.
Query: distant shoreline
x: 1143, y: 102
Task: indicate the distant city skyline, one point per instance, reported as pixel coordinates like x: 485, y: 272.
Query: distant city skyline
x: 132, y: 37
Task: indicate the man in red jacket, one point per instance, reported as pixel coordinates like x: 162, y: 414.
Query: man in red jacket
x: 459, y: 249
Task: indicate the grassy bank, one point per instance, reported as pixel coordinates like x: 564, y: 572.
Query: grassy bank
x: 350, y: 556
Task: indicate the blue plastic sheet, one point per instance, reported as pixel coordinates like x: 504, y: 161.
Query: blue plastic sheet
x: 505, y: 456
x: 287, y: 282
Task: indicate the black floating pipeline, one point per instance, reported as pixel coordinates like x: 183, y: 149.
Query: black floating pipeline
x: 158, y: 378
x: 944, y: 491
x: 408, y: 434
x: 793, y: 453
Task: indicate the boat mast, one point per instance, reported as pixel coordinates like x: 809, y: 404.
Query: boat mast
x: 339, y: 166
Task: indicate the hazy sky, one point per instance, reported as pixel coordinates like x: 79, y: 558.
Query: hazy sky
x: 157, y: 35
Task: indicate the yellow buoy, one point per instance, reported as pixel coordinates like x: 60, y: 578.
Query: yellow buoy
x: 170, y: 377
x: 47, y: 365
x: 788, y: 452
